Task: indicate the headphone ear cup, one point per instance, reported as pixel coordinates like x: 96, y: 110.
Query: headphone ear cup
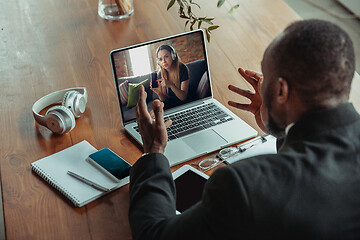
x: 173, y: 55
x: 75, y: 102
x: 60, y: 119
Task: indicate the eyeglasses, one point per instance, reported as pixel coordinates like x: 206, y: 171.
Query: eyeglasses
x: 209, y: 163
x: 225, y: 153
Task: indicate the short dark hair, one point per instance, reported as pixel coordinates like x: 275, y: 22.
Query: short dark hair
x: 317, y: 59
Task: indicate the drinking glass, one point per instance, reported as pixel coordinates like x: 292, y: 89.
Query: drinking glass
x: 115, y: 9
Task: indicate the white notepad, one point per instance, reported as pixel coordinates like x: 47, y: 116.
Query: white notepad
x: 54, y: 168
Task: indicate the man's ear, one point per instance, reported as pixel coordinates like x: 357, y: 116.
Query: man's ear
x: 283, y: 90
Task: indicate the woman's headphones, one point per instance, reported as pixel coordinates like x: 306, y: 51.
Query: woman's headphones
x: 168, y: 48
x: 61, y: 119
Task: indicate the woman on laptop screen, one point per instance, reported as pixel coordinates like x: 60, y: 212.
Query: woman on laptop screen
x: 172, y: 78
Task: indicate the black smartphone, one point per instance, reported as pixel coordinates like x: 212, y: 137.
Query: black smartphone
x: 110, y: 164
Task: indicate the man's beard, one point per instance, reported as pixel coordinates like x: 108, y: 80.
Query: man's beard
x: 271, y: 125
x: 273, y: 128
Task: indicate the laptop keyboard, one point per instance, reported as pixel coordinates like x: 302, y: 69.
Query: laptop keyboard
x: 194, y: 120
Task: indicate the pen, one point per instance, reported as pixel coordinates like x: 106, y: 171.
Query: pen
x: 89, y: 182
x: 229, y: 152
x: 260, y: 139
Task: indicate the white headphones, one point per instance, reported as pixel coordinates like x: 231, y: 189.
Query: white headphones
x: 61, y: 119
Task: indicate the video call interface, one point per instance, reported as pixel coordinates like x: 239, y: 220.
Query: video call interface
x: 139, y: 65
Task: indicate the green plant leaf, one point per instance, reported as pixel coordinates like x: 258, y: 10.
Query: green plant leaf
x: 185, y: 8
x: 232, y: 9
x: 195, y: 4
x: 220, y: 3
x: 213, y: 27
x: 171, y: 3
x: 207, y: 35
x: 208, y: 21
x: 180, y: 3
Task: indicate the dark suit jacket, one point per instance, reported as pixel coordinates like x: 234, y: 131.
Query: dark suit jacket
x: 309, y: 190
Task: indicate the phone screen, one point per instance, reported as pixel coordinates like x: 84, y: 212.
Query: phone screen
x: 189, y: 188
x: 111, y: 162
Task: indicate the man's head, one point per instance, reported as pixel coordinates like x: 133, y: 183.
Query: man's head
x: 307, y: 67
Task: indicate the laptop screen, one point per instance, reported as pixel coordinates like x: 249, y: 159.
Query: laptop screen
x: 172, y: 69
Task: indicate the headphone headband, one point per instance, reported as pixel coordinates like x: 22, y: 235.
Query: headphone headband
x: 52, y: 98
x: 166, y: 46
x: 161, y: 47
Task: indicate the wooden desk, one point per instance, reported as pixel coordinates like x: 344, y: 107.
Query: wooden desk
x: 51, y: 45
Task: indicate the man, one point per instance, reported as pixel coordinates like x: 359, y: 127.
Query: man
x: 310, y: 189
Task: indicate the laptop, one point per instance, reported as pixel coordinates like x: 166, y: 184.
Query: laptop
x: 200, y: 123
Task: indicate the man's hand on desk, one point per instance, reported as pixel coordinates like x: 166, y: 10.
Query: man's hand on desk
x: 254, y: 79
x: 153, y: 131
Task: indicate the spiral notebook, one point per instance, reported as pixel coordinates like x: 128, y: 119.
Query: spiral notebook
x: 53, y: 169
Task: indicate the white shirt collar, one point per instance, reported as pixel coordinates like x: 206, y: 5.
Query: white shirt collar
x: 287, y: 129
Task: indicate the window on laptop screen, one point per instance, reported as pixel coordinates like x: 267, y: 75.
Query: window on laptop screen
x: 163, y: 67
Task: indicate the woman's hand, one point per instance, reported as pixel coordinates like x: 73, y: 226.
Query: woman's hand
x: 254, y: 79
x: 165, y: 83
x: 158, y: 90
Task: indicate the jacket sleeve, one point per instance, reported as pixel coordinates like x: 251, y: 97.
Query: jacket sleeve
x: 153, y: 204
x: 152, y: 196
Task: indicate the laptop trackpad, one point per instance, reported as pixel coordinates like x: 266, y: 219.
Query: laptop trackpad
x: 204, y: 141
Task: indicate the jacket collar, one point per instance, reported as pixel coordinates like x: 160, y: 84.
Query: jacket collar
x: 320, y: 121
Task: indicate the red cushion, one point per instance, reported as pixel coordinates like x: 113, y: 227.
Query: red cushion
x: 124, y: 91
